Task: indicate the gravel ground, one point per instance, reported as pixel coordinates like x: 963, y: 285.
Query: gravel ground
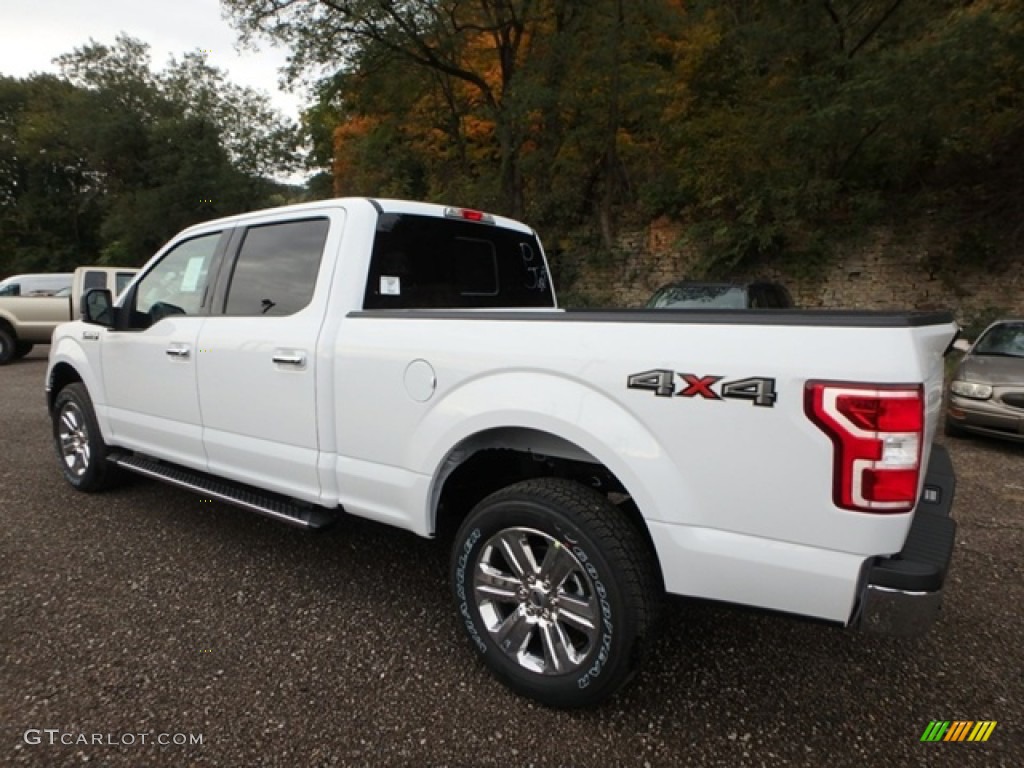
x: 148, y: 611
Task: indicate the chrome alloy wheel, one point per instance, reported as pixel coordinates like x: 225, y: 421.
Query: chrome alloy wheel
x: 537, y: 601
x: 74, y: 439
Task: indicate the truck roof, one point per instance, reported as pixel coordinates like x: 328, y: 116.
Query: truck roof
x: 383, y: 205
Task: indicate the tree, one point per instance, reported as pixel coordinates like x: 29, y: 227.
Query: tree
x: 110, y: 160
x: 803, y: 118
x: 257, y: 140
x: 50, y: 205
x: 771, y: 126
x: 475, y: 44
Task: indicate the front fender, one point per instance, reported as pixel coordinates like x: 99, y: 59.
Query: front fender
x: 69, y: 349
x: 566, y: 408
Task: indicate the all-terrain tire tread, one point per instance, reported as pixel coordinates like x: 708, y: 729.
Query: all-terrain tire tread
x: 617, y: 535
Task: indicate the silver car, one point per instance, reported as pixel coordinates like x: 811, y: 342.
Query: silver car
x: 986, y: 395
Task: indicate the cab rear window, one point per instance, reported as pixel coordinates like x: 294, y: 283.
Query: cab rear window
x: 426, y: 262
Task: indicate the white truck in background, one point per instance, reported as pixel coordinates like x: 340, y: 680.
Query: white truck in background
x: 27, y: 320
x: 408, y: 363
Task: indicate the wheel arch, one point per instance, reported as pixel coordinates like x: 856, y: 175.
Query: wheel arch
x: 492, y: 459
x: 69, y: 363
x: 62, y: 374
x: 538, y: 412
x: 7, y: 324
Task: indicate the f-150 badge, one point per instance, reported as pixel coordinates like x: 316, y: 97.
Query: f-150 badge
x: 662, y: 382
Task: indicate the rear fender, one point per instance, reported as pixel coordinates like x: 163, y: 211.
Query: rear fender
x: 549, y: 415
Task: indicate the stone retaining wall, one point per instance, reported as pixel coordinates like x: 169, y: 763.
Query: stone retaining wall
x: 880, y: 272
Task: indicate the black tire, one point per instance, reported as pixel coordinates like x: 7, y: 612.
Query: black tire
x: 952, y: 430
x: 8, y: 346
x: 22, y: 348
x: 81, y: 452
x: 600, y: 566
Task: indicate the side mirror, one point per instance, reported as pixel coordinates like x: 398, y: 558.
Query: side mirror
x: 961, y: 345
x: 98, y: 307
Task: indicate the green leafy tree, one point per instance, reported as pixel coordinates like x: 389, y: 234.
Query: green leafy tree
x: 471, y: 49
x: 113, y: 158
x: 771, y: 127
x: 50, y: 196
x: 804, y: 118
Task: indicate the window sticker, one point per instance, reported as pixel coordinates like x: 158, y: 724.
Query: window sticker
x: 390, y: 285
x: 190, y: 280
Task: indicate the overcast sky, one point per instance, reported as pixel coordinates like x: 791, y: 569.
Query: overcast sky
x: 33, y: 32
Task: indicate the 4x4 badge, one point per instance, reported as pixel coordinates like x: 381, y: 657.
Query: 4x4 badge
x: 662, y: 382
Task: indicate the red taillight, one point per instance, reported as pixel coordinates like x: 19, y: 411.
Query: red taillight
x: 877, y: 414
x: 890, y: 485
x: 469, y: 214
x: 877, y: 432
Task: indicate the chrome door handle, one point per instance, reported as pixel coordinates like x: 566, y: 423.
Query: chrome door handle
x: 297, y: 359
x: 180, y: 351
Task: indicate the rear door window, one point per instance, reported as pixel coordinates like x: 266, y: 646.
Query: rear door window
x: 427, y: 262
x: 276, y: 269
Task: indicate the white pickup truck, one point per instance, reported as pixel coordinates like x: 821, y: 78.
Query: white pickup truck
x: 27, y: 320
x: 408, y: 363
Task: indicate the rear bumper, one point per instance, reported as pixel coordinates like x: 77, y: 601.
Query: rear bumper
x: 902, y: 594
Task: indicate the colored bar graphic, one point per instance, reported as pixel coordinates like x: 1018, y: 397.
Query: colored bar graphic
x: 935, y: 730
x: 982, y: 730
x: 958, y: 730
